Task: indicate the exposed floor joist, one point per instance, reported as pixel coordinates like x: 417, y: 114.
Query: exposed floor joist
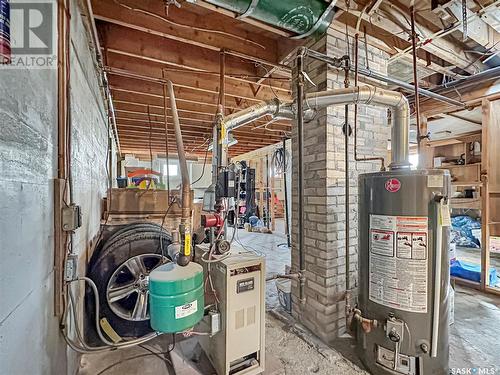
x: 143, y: 47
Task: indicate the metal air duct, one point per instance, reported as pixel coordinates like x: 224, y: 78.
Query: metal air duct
x: 364, y: 94
x: 303, y: 17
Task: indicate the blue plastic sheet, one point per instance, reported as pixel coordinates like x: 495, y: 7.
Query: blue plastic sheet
x: 471, y: 271
x: 461, y: 231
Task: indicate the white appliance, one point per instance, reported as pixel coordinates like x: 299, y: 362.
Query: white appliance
x: 239, y: 284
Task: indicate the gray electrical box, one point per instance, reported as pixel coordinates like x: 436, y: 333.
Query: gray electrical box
x: 71, y: 218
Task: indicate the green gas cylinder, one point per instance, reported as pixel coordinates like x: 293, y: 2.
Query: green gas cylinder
x: 176, y: 297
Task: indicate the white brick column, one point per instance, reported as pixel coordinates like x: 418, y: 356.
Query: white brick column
x: 324, y: 191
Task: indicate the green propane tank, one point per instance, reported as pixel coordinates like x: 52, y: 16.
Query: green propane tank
x: 176, y: 297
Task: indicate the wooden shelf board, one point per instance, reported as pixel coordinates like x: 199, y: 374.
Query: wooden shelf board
x: 459, y: 165
x: 466, y: 183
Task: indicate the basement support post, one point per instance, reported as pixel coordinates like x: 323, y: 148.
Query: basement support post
x: 300, y: 138
x: 287, y: 218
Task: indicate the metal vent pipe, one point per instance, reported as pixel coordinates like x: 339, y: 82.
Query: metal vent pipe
x: 363, y: 94
x: 303, y: 17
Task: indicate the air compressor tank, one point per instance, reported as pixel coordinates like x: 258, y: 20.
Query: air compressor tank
x: 404, y: 271
x: 176, y: 297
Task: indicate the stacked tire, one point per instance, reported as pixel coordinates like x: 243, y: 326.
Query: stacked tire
x: 120, y: 268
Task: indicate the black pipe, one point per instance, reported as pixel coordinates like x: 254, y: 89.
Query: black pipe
x: 300, y: 140
x: 268, y: 216
x: 481, y: 77
x: 346, y: 167
x: 415, y: 76
x: 287, y: 221
x: 337, y: 62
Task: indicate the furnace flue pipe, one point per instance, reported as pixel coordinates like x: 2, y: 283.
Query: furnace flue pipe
x: 365, y: 94
x: 186, y: 183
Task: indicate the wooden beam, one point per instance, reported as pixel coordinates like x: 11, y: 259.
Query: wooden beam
x: 143, y: 125
x: 472, y: 97
x: 151, y: 70
x: 141, y: 108
x: 192, y: 81
x: 388, y: 18
x: 153, y: 48
x: 187, y: 27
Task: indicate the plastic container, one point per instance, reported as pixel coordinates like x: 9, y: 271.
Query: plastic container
x: 284, y: 287
x: 122, y: 182
x: 176, y: 297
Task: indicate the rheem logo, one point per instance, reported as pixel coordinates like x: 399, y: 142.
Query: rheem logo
x: 392, y: 185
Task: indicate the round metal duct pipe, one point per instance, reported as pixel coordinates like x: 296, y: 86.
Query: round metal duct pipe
x: 304, y: 17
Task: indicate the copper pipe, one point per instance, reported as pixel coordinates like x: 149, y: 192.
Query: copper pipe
x: 356, y: 157
x: 165, y: 95
x: 186, y: 184
x: 62, y: 88
x: 100, y: 62
x: 415, y: 75
x: 222, y: 83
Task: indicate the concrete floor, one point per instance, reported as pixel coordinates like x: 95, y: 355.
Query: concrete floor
x: 474, y: 338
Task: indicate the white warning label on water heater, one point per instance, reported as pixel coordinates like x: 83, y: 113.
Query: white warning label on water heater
x: 398, y: 262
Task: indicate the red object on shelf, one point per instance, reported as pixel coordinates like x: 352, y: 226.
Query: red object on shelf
x: 211, y: 220
x: 140, y: 172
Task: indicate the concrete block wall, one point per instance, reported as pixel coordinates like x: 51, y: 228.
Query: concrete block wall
x: 30, y: 340
x: 324, y: 191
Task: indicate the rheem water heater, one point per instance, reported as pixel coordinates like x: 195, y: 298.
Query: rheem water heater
x: 404, y: 271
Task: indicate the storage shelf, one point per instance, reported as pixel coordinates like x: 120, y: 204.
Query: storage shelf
x: 469, y: 203
x: 466, y: 183
x: 459, y: 166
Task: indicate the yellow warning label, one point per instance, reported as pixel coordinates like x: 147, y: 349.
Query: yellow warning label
x: 445, y: 215
x: 187, y: 244
x: 222, y: 132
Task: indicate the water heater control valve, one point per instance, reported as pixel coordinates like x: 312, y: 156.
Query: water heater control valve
x: 394, y: 329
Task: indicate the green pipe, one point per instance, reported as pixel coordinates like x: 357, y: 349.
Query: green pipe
x: 303, y: 17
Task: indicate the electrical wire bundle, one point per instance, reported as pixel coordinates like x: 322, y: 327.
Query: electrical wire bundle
x: 280, y: 161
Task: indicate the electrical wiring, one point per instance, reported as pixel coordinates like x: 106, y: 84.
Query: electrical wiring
x: 204, y: 165
x: 280, y: 161
x: 216, y: 258
x: 139, y: 356
x: 82, y: 347
x: 157, y: 354
x: 151, y: 14
x: 268, y: 73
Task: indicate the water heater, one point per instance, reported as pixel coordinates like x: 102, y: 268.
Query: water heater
x: 404, y: 272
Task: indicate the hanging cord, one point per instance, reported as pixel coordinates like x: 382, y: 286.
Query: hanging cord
x: 190, y: 27
x: 204, y: 163
x: 157, y: 354
x: 280, y: 161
